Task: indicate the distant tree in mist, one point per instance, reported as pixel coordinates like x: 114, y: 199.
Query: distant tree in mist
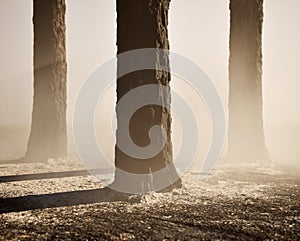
x: 143, y: 24
x: 246, y: 139
x: 48, y: 128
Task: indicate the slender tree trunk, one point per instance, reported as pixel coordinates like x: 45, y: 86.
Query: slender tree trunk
x: 143, y: 24
x: 246, y: 134
x: 48, y: 129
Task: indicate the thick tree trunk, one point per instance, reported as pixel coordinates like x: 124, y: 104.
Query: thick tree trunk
x: 143, y: 24
x: 246, y: 134
x: 48, y: 129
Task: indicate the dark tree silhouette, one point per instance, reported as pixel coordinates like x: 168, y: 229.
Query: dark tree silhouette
x: 143, y: 24
x: 246, y: 134
x: 48, y: 129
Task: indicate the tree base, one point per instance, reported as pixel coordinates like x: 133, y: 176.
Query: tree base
x: 138, y: 184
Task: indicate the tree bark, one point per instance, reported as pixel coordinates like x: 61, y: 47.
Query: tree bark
x: 48, y: 129
x: 246, y: 135
x: 143, y: 24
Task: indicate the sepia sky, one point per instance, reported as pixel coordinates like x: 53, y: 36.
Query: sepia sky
x: 199, y: 29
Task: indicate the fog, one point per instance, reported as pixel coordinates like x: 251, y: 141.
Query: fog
x: 198, y: 29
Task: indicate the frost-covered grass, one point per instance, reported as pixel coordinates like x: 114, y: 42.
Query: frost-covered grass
x: 248, y: 201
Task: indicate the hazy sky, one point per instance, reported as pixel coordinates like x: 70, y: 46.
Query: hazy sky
x: 199, y: 29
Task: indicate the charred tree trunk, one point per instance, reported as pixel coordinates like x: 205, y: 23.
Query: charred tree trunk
x: 143, y: 24
x: 246, y: 134
x: 48, y: 129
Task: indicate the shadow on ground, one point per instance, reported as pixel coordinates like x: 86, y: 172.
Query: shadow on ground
x: 32, y: 202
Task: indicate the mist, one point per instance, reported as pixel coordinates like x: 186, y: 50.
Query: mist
x: 199, y: 30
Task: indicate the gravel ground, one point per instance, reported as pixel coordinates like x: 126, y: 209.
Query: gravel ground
x: 245, y: 203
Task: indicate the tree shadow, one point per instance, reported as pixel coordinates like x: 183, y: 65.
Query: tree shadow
x: 33, y: 202
x: 49, y: 175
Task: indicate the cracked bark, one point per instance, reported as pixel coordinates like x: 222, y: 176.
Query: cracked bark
x: 143, y: 24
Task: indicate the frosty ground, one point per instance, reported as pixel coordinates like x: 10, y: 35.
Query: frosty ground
x: 238, y: 202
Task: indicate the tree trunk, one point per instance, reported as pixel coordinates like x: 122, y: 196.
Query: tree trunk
x: 143, y: 24
x: 48, y: 129
x: 246, y: 134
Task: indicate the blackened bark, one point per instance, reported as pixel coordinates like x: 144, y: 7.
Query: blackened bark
x: 48, y: 129
x: 143, y: 24
x: 246, y: 134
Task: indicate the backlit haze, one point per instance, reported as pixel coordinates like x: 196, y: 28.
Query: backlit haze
x: 198, y: 29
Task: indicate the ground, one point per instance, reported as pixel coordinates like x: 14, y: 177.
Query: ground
x: 235, y: 202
